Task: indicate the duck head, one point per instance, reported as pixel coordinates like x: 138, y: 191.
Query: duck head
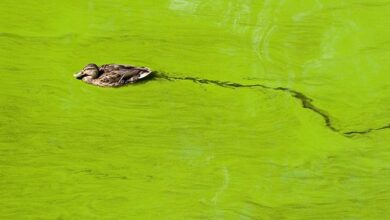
x: 89, y: 72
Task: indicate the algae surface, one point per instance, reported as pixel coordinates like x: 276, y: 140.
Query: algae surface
x: 195, y: 147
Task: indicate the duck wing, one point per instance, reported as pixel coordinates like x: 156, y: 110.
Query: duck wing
x: 109, y: 79
x: 119, y: 74
x: 111, y: 67
x: 136, y: 73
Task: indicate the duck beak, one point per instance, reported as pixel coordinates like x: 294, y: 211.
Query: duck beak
x: 79, y: 75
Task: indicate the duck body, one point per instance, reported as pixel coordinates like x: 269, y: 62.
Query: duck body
x: 112, y: 75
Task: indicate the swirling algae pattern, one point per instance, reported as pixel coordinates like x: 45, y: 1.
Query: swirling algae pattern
x: 258, y: 110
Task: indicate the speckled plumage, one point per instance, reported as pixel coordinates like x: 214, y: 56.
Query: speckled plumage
x: 112, y: 75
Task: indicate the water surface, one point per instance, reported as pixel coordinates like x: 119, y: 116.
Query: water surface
x: 205, y: 144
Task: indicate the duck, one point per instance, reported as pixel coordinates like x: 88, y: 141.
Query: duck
x: 112, y: 75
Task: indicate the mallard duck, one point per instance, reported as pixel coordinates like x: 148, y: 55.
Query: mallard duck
x: 112, y: 75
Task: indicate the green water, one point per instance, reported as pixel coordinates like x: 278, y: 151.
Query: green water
x: 184, y: 149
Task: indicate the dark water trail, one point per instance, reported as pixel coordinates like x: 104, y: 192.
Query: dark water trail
x: 305, y: 100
